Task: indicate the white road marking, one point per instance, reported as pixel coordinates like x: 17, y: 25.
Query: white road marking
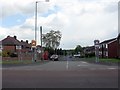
x: 67, y: 65
x: 83, y: 62
x: 111, y: 68
x: 82, y: 65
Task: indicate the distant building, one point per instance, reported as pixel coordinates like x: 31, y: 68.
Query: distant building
x: 89, y: 51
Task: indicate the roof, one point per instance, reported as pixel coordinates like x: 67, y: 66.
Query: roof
x: 10, y: 41
x: 119, y: 35
x: 107, y: 41
x: 25, y: 44
x: 90, y: 48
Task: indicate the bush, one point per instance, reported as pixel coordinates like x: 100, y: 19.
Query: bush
x: 90, y: 55
x: 0, y: 53
x: 13, y: 55
x: 5, y: 53
x: 9, y: 54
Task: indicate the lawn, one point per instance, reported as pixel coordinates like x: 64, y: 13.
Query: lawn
x: 112, y: 60
x: 16, y: 62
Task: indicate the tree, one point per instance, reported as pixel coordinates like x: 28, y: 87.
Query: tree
x: 52, y: 39
x: 78, y: 49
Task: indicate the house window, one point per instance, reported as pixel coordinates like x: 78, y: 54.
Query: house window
x: 18, y: 47
x: 106, y: 46
x: 107, y: 53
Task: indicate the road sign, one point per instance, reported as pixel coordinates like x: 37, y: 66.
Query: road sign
x: 33, y: 43
x: 96, y: 44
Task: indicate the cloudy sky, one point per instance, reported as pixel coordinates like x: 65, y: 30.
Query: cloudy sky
x: 80, y: 21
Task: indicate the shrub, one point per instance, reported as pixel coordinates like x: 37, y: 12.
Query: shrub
x: 13, y: 55
x: 5, y: 53
x: 90, y: 55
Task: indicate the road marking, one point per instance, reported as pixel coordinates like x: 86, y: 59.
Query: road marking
x: 82, y: 65
x: 111, y: 68
x: 83, y: 62
x: 67, y: 65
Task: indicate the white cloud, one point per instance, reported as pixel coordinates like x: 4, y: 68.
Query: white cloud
x: 79, y: 21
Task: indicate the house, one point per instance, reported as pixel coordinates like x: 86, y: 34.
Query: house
x: 110, y: 48
x: 25, y: 46
x: 118, y: 40
x: 11, y: 45
x: 89, y: 51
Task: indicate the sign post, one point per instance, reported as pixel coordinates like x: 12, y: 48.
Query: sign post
x: 96, y: 44
x: 19, y: 52
x: 34, y: 50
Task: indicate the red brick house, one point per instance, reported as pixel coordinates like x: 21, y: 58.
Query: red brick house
x: 12, y: 45
x: 110, y: 48
x: 25, y: 46
x: 118, y: 40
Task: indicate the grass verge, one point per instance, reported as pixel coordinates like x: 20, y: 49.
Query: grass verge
x: 111, y: 60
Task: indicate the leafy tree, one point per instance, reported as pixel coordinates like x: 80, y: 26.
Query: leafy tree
x: 52, y: 39
x: 78, y: 49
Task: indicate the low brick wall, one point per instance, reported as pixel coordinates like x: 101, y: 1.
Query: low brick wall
x: 16, y: 58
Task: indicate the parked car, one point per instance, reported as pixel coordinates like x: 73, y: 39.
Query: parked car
x: 77, y: 55
x: 54, y: 57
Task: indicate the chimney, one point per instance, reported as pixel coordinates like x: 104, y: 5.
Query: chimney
x: 21, y: 40
x: 15, y: 37
x: 26, y: 41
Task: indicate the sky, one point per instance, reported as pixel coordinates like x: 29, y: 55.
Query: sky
x: 80, y: 21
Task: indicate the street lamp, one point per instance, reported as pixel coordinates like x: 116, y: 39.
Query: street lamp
x: 36, y: 17
x: 35, y: 52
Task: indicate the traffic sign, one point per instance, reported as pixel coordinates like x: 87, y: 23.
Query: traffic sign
x: 33, y: 43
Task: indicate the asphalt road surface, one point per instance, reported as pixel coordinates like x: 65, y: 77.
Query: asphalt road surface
x: 61, y: 74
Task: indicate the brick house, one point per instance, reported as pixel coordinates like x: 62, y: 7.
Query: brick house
x: 89, y: 51
x: 25, y: 46
x: 109, y: 48
x: 118, y: 40
x: 12, y: 45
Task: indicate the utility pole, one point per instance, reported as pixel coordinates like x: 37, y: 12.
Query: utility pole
x: 41, y: 40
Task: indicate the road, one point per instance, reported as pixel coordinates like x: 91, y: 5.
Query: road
x: 61, y: 74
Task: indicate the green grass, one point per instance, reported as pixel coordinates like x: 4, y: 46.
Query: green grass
x: 112, y: 60
x: 10, y: 62
x: 16, y: 62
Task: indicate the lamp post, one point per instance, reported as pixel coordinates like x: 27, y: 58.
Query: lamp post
x: 36, y: 17
x: 35, y: 52
x: 41, y: 40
